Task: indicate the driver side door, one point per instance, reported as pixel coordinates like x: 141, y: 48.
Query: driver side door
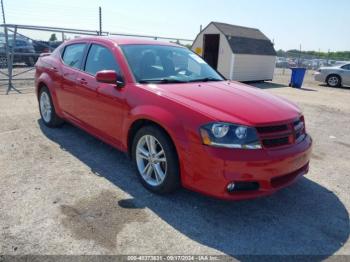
x: 101, y: 106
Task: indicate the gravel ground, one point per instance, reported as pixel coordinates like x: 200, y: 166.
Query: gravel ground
x: 64, y: 192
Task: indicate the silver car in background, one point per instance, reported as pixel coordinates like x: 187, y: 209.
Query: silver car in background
x: 334, y: 76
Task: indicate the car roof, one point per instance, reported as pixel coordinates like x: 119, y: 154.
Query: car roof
x: 122, y: 40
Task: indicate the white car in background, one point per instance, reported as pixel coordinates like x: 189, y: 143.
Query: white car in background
x: 334, y: 76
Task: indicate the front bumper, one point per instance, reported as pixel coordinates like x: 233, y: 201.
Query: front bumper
x: 210, y: 170
x: 319, y: 77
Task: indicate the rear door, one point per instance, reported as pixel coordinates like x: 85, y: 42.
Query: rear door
x: 101, y: 106
x: 72, y: 58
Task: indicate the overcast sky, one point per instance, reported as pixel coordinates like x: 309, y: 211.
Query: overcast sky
x: 315, y: 24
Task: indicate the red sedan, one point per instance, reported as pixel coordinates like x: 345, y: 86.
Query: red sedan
x: 181, y: 123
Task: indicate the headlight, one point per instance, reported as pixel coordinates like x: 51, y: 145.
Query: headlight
x: 230, y: 136
x: 220, y: 130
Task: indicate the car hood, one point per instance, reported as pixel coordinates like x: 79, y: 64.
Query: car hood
x: 231, y: 102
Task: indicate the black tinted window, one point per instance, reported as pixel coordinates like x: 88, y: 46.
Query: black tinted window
x: 73, y: 55
x: 346, y: 67
x: 100, y: 58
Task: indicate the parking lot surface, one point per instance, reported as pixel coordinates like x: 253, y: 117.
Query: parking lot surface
x: 64, y: 192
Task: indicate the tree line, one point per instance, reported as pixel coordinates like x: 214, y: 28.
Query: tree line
x: 343, y: 55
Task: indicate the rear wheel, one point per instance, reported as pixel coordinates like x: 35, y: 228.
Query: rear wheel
x: 3, y: 62
x: 156, y: 161
x: 333, y: 81
x: 30, y: 61
x: 47, y: 109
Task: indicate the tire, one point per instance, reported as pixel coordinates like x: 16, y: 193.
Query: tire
x: 30, y: 61
x: 333, y: 81
x: 3, y: 62
x: 163, y: 177
x: 47, y: 109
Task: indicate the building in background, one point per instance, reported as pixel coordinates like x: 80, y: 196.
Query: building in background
x: 238, y: 53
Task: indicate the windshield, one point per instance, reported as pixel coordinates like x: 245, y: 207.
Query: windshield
x: 167, y: 64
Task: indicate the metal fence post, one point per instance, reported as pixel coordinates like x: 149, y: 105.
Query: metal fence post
x: 7, y: 50
x: 10, y: 62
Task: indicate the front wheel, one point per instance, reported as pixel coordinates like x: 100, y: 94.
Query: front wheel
x: 333, y: 81
x: 47, y: 109
x: 156, y: 161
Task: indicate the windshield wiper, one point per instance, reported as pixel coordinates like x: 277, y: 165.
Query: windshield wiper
x: 161, y: 81
x: 206, y: 79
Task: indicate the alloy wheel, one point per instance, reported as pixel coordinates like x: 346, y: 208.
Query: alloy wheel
x: 45, y: 107
x: 151, y: 160
x: 333, y: 81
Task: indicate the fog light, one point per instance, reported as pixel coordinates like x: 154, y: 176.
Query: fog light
x: 231, y: 187
x: 236, y: 187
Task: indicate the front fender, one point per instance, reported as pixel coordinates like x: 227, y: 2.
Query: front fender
x: 333, y: 72
x: 168, y: 120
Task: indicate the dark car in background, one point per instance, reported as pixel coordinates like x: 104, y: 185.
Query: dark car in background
x: 46, y: 46
x: 24, y: 51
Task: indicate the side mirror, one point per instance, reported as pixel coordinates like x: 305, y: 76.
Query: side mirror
x: 108, y: 77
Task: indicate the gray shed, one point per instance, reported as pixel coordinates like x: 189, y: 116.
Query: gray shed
x: 239, y: 53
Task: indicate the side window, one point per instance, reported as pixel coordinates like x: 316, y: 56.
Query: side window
x: 101, y: 58
x: 346, y: 67
x: 20, y: 43
x: 73, y: 55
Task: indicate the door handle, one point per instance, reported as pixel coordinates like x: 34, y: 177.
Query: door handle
x: 82, y: 81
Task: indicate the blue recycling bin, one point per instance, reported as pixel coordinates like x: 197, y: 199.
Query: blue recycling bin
x: 297, y: 79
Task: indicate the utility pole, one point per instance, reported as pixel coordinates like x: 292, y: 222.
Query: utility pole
x: 100, y: 19
x: 3, y: 12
